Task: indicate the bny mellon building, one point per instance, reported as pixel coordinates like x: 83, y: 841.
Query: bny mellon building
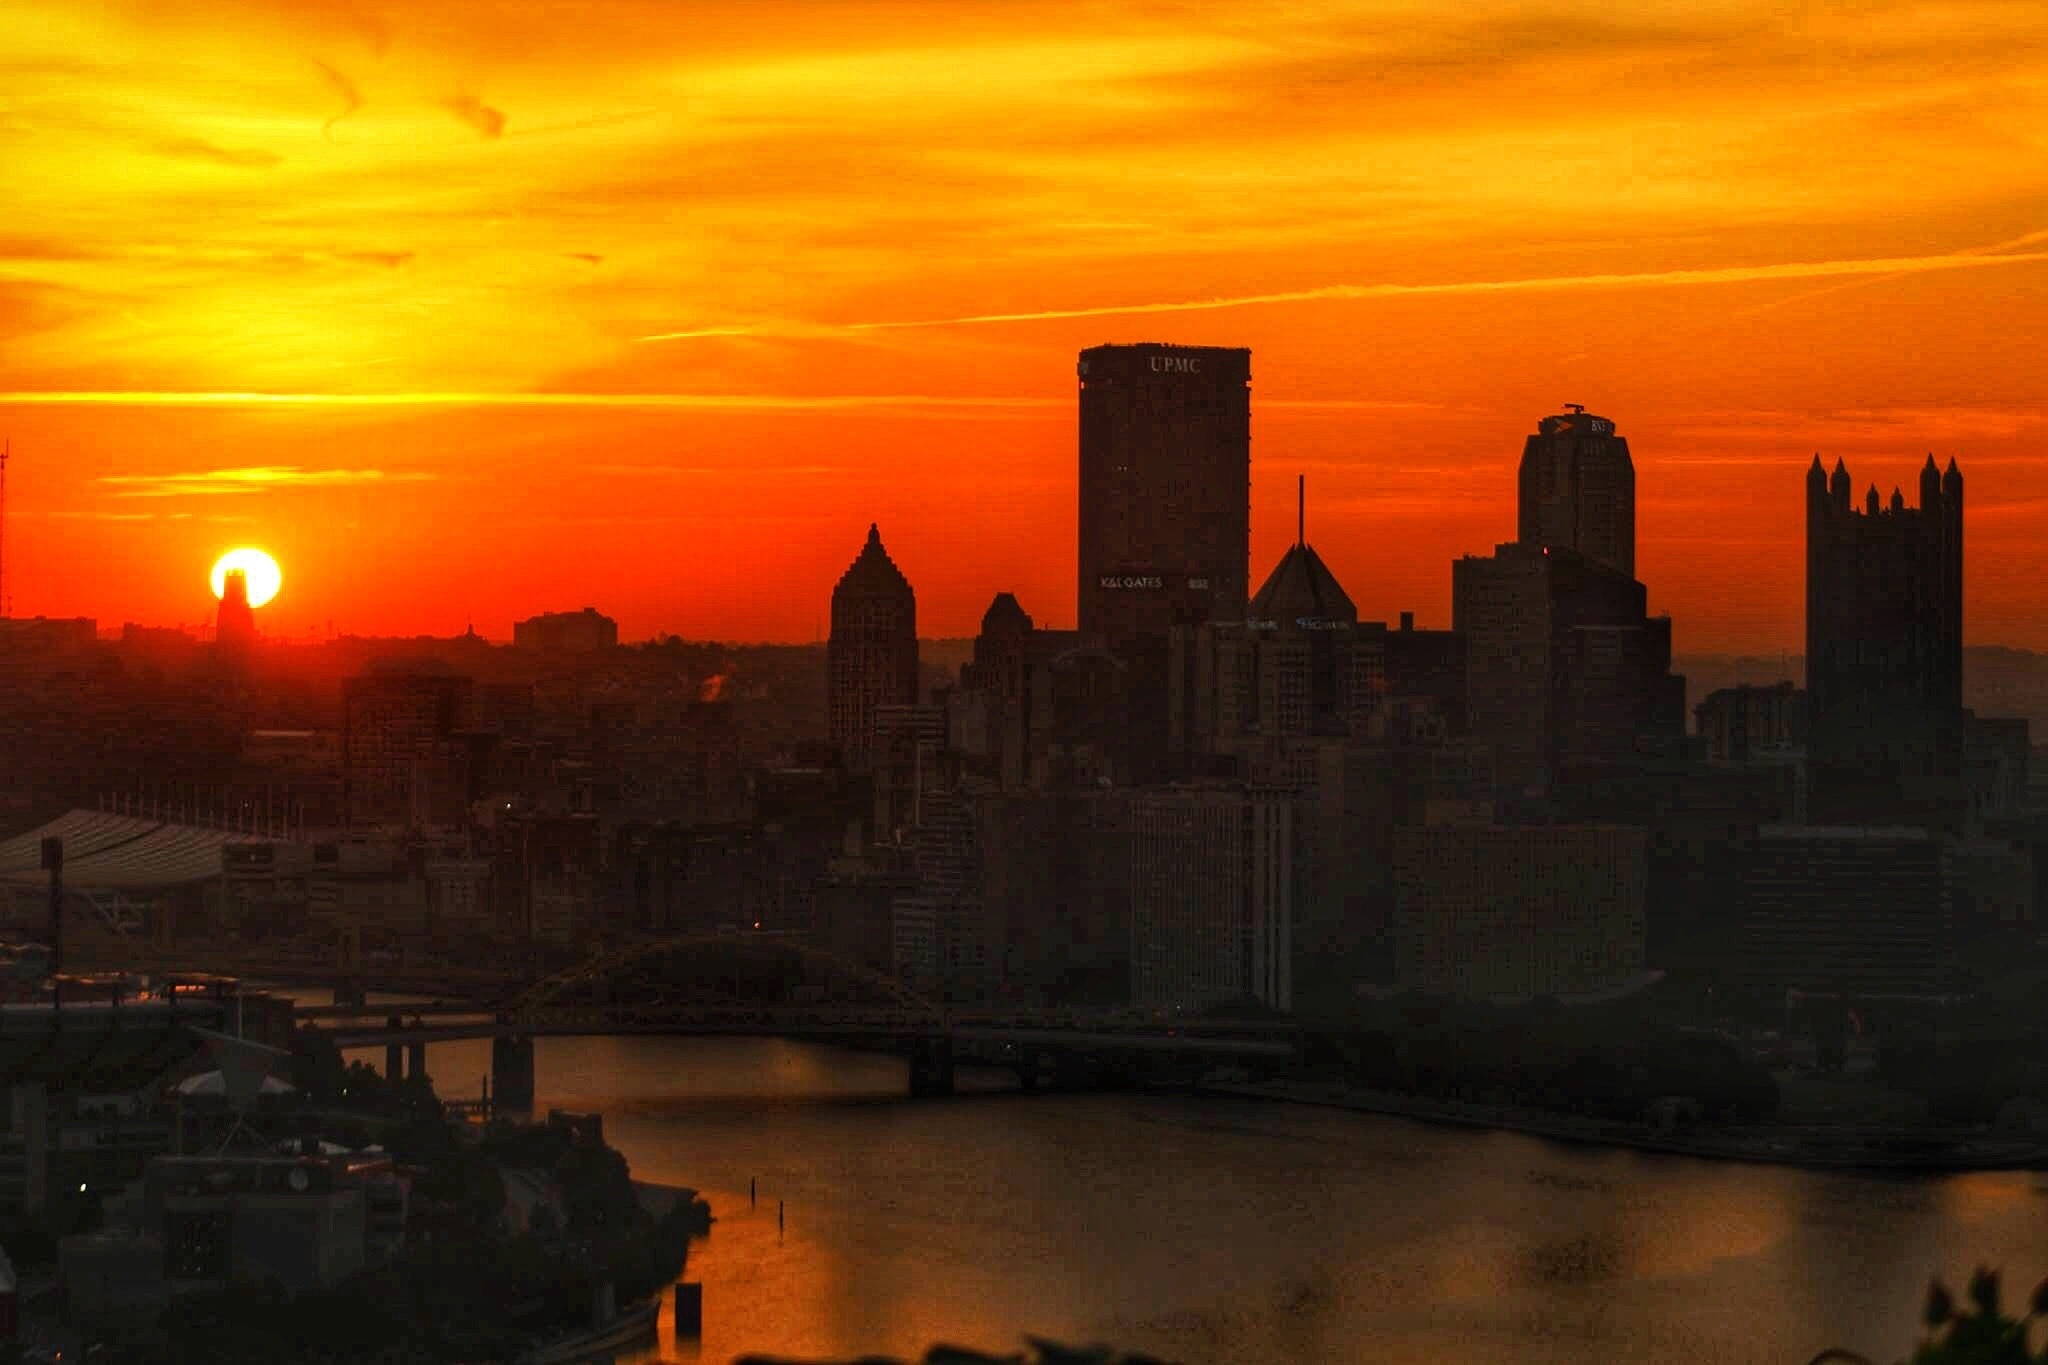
x: 1578, y: 490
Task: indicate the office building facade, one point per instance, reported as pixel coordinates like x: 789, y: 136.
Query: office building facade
x: 1562, y: 661
x: 1212, y: 897
x: 1493, y: 912
x: 1864, y: 913
x: 1165, y: 488
x: 402, y: 764
x: 1884, y: 650
x: 871, y: 656
x: 1578, y: 490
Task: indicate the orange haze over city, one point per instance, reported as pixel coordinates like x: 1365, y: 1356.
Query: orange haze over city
x: 467, y: 310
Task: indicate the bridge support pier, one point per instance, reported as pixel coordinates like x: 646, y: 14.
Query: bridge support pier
x: 931, y: 1068
x: 416, y: 1061
x: 512, y: 1077
x: 394, y: 1054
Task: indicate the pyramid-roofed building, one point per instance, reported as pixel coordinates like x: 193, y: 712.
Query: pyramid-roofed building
x: 872, y: 573
x: 1302, y: 589
x: 871, y: 657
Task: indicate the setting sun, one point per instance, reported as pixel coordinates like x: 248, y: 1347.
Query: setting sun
x: 265, y: 578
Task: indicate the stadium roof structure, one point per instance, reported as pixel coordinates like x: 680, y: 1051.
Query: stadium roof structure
x: 119, y: 852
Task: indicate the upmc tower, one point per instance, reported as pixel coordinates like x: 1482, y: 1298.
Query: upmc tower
x: 1166, y: 437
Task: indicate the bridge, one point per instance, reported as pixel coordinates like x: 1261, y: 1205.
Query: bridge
x: 744, y: 986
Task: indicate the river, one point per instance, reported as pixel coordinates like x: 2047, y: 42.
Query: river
x: 1212, y: 1231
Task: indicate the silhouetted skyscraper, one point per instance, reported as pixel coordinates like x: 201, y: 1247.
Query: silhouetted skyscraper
x: 1165, y: 488
x: 235, y: 627
x: 872, y: 655
x: 1578, y: 490
x: 1884, y: 648
x: 1563, y: 661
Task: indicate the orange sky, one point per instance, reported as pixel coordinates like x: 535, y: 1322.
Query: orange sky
x: 873, y: 235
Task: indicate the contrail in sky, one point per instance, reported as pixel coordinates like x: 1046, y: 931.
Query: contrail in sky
x: 1734, y: 274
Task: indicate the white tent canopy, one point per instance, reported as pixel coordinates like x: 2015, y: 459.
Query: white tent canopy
x: 215, y: 1083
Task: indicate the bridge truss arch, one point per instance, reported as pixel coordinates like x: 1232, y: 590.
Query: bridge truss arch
x: 730, y: 968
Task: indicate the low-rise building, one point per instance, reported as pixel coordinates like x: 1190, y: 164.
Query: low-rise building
x: 302, y: 1222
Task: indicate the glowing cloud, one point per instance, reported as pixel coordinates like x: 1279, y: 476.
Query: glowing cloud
x: 256, y: 479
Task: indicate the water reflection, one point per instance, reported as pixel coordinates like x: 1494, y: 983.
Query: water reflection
x: 1212, y: 1230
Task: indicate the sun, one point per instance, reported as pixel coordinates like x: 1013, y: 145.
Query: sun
x: 264, y: 577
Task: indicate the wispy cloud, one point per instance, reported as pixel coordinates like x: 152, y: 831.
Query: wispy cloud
x: 198, y: 149
x: 741, y: 402
x: 253, y: 479
x: 66, y: 514
x: 389, y: 259
x: 750, y: 469
x: 478, y: 115
x: 341, y: 85
x: 1737, y: 274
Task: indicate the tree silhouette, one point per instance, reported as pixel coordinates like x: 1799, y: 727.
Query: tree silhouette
x: 1979, y: 1333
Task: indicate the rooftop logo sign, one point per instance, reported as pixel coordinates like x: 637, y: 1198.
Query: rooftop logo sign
x: 1176, y: 364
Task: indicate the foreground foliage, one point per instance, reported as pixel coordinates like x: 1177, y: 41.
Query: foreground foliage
x: 1976, y: 1333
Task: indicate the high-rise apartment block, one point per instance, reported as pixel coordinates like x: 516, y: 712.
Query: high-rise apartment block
x: 871, y: 657
x: 1578, y: 490
x: 1884, y: 649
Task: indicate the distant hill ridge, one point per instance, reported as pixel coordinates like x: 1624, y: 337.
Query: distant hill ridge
x: 1998, y: 680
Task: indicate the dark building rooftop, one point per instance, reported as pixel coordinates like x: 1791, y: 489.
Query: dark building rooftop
x: 1301, y: 587
x: 873, y: 573
x: 1005, y: 613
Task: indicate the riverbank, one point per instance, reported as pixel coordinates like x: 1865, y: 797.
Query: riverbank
x: 1809, y: 1146
x: 635, y: 1326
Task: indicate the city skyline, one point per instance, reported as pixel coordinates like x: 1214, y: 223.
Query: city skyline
x: 503, y: 631
x: 308, y: 280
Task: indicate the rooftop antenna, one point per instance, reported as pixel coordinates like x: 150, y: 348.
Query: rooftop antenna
x: 1301, y: 509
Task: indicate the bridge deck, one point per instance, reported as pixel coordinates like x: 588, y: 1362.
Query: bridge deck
x: 1042, y: 1038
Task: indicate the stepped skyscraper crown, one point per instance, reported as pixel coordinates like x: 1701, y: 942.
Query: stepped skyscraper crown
x: 871, y: 658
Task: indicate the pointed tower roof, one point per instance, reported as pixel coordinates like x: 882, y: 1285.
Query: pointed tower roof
x: 1302, y: 585
x: 1952, y: 477
x: 1005, y: 613
x: 873, y: 573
